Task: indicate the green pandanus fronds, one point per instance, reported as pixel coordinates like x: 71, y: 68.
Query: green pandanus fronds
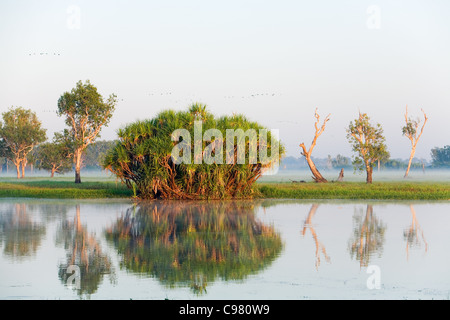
x: 143, y: 158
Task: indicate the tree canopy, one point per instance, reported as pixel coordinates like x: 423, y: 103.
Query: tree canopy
x: 95, y: 153
x: 441, y: 156
x: 368, y: 143
x: 55, y: 156
x: 411, y: 131
x: 21, y: 131
x: 145, y: 160
x: 85, y: 113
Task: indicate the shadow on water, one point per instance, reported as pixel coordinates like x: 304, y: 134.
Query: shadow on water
x: 191, y: 244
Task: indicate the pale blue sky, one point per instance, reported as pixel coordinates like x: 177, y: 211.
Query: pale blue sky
x: 293, y: 56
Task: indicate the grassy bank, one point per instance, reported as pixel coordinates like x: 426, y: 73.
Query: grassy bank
x: 107, y: 188
x: 62, y: 189
x: 357, y: 190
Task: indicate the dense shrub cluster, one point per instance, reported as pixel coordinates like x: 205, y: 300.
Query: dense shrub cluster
x: 142, y: 157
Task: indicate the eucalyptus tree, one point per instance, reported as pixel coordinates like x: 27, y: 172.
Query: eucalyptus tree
x: 368, y: 143
x: 86, y: 113
x: 411, y: 131
x: 21, y: 131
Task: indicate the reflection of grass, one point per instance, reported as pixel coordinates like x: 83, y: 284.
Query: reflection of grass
x: 357, y: 190
x: 108, y: 188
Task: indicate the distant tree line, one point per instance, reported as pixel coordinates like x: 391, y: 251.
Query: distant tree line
x: 24, y: 143
x: 440, y: 158
x: 53, y: 157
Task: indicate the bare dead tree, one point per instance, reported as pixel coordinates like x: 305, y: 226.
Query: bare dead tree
x: 341, y: 175
x: 410, y: 130
x: 307, y: 153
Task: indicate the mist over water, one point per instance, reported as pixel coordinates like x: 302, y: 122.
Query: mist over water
x: 384, y: 175
x: 431, y: 175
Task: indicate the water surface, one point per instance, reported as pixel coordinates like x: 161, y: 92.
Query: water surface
x: 269, y: 249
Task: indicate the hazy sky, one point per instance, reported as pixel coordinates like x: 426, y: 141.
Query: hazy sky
x: 292, y: 56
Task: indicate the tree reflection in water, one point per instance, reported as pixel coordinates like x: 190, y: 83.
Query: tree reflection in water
x: 84, y: 251
x: 414, y: 234
x: 192, y: 243
x: 19, y: 234
x: 368, y: 236
x: 319, y: 246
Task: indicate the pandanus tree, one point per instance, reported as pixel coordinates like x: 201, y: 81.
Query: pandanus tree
x: 185, y: 243
x: 192, y: 155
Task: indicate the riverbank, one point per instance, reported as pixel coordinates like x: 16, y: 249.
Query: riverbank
x: 107, y: 188
x: 63, y: 189
x: 357, y: 190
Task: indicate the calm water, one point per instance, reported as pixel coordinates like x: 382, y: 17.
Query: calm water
x: 272, y: 249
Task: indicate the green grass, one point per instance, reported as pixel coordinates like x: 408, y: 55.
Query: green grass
x: 357, y: 190
x: 100, y: 188
x: 62, y: 189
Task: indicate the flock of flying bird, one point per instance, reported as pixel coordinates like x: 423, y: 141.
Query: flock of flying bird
x: 44, y: 54
x: 170, y: 93
x: 255, y: 95
x: 225, y: 97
